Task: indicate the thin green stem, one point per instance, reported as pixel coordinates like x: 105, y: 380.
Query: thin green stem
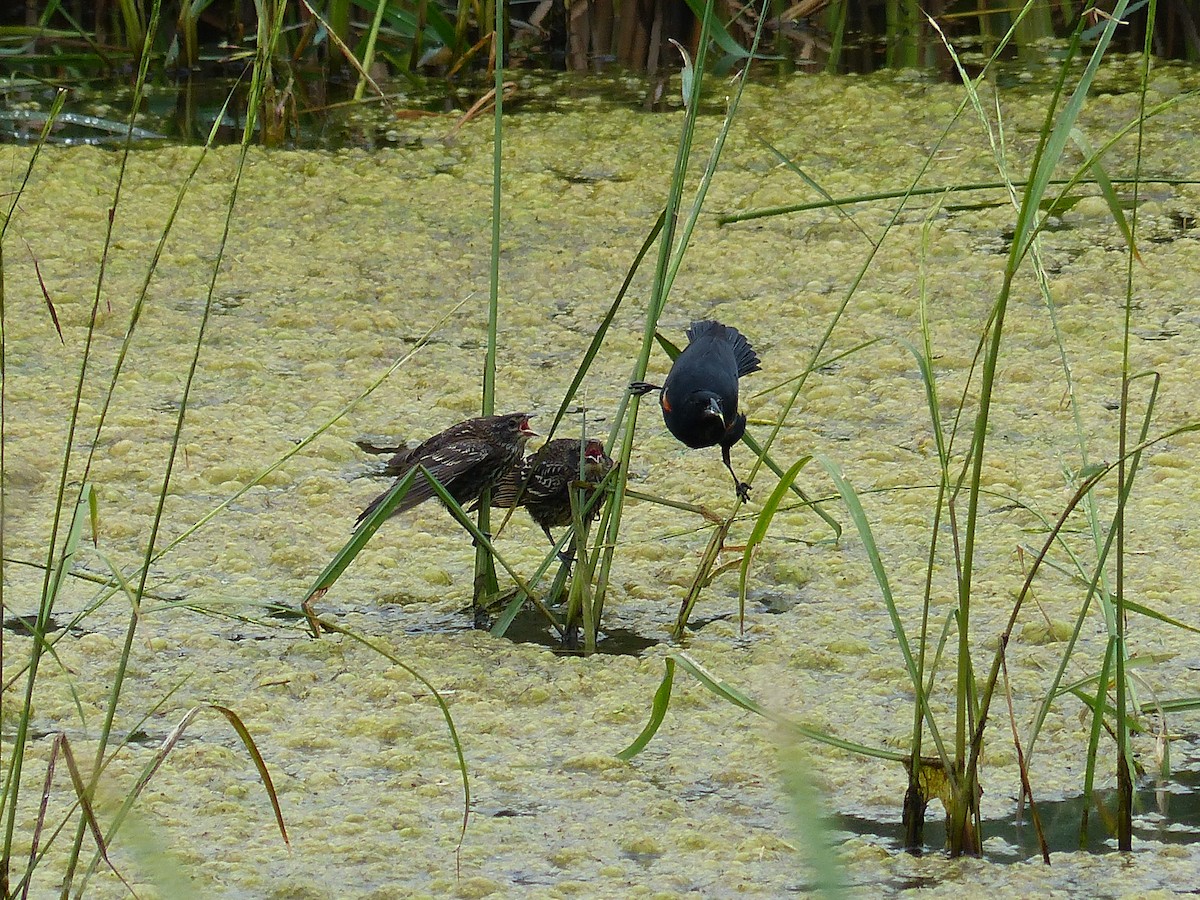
x: 658, y: 299
x: 1125, y: 773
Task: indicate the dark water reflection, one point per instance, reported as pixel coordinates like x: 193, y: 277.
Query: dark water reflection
x: 1167, y: 811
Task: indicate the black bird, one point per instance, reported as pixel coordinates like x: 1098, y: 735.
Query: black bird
x: 467, y: 458
x: 543, y: 481
x: 700, y: 395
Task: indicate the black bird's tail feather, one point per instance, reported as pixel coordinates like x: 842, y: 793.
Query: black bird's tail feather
x: 747, y: 359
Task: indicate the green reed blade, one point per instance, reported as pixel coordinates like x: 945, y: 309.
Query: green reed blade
x: 1106, y: 188
x: 865, y: 534
x: 601, y: 331
x: 362, y: 533
x: 658, y: 711
x: 761, y: 524
x: 729, y: 693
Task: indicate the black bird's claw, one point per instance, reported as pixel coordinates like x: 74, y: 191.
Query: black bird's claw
x: 743, y: 491
x: 639, y: 388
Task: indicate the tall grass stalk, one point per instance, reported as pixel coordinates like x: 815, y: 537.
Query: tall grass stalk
x: 657, y: 300
x: 1125, y: 764
x: 8, y: 798
x: 763, y: 212
x: 49, y: 583
x: 670, y: 258
x: 915, y: 800
x: 963, y: 820
x: 369, y: 51
x: 138, y: 34
x: 486, y: 584
x: 269, y: 30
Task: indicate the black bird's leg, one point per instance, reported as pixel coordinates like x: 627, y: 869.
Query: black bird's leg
x: 742, y: 488
x: 733, y: 434
x: 638, y: 388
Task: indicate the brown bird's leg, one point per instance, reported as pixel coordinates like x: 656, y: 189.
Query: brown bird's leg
x: 570, y: 639
x: 742, y: 488
x: 638, y: 388
x: 566, y: 555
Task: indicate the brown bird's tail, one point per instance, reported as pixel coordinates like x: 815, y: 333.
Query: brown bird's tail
x: 414, y: 497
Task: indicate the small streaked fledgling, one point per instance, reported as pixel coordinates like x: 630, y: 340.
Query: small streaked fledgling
x: 467, y: 458
x: 543, y: 481
x: 699, y: 397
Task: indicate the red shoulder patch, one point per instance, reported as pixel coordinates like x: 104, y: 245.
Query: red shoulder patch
x: 662, y: 399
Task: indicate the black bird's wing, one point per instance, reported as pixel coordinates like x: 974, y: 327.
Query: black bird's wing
x: 708, y: 365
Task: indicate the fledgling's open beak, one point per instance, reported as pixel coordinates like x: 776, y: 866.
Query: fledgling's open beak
x: 525, y: 430
x: 593, y: 453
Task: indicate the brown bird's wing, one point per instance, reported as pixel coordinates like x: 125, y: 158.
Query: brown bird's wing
x: 505, y: 494
x: 444, y: 463
x: 549, y: 479
x: 447, y: 464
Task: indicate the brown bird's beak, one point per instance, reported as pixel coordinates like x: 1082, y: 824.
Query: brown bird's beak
x: 526, y: 430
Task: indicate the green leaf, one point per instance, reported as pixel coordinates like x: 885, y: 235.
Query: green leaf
x: 248, y: 742
x: 686, y: 74
x: 662, y: 699
x: 1106, y: 190
x: 362, y: 534
x: 82, y: 514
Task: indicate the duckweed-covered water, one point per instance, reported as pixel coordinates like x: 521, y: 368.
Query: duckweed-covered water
x: 338, y: 263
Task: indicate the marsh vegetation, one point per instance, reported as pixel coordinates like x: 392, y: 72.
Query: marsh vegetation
x: 962, y: 579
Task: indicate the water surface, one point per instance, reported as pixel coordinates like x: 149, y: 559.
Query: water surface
x: 339, y: 262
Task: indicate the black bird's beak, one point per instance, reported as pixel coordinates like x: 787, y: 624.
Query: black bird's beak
x: 714, y: 408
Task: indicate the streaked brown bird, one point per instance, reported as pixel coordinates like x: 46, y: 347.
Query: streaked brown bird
x: 467, y: 458
x: 699, y: 397
x: 543, y: 481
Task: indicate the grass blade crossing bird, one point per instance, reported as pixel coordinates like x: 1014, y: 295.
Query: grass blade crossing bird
x: 699, y: 397
x: 542, y: 483
x: 466, y: 458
